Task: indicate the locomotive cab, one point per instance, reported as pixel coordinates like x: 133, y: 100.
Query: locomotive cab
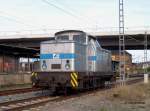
x: 61, y: 54
x: 72, y: 35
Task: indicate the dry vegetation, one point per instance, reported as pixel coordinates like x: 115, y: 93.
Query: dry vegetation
x: 134, y: 93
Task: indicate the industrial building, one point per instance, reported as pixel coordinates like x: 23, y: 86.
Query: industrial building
x: 12, y: 70
x: 128, y: 59
x: 10, y: 59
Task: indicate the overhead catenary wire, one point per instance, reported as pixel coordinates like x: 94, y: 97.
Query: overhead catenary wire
x: 77, y: 17
x: 79, y: 14
x: 13, y: 18
x: 10, y: 19
x: 63, y: 10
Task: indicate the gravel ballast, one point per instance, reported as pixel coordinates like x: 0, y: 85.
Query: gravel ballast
x: 104, y: 101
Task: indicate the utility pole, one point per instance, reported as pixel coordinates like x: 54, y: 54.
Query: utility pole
x: 121, y: 42
x: 145, y: 59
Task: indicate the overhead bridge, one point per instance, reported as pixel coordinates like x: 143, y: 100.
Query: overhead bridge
x: 133, y: 41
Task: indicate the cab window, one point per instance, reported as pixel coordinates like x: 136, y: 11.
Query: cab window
x: 79, y: 38
x: 65, y: 37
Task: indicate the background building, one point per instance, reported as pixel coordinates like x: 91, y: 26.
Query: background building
x: 14, y: 71
x: 128, y: 60
x: 10, y: 59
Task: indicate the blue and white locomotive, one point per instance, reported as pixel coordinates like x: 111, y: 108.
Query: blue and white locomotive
x: 74, y: 60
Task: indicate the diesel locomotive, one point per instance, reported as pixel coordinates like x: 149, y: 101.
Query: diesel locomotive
x: 74, y: 60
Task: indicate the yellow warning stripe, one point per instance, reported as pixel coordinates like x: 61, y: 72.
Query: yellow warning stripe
x: 72, y: 83
x: 33, y: 74
x: 76, y: 76
x: 74, y: 79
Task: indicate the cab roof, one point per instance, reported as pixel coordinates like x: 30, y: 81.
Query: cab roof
x: 70, y: 31
x: 64, y: 31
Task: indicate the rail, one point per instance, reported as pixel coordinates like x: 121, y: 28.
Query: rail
x: 18, y: 91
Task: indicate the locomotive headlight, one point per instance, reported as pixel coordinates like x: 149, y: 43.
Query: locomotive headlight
x: 67, y: 66
x: 44, y: 65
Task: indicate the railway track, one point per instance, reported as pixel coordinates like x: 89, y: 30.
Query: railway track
x: 39, y: 101
x: 20, y: 105
x: 130, y: 81
x: 18, y: 91
x: 135, y: 80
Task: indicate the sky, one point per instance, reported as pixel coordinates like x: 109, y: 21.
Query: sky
x: 93, y: 15
x: 37, y: 14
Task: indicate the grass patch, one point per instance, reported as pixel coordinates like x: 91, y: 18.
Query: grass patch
x: 103, y: 109
x: 130, y: 93
x: 14, y: 86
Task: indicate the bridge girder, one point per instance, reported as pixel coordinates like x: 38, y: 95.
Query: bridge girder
x: 110, y: 42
